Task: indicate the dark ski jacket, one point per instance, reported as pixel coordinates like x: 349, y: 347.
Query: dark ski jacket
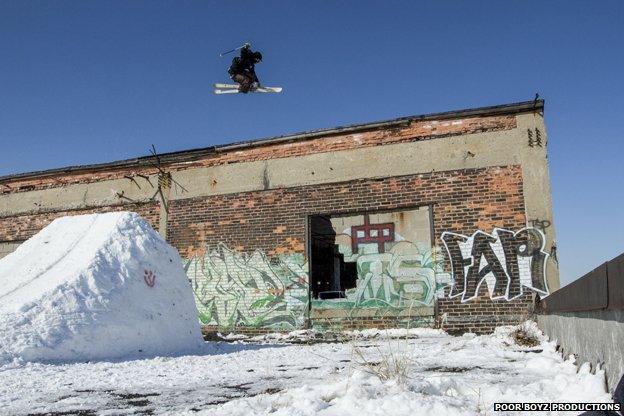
x: 244, y: 65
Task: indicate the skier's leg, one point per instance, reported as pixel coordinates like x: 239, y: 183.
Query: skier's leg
x: 236, y: 78
x: 244, y: 82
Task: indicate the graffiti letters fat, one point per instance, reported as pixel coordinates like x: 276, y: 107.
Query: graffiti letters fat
x: 402, y: 277
x: 233, y: 288
x: 506, y: 261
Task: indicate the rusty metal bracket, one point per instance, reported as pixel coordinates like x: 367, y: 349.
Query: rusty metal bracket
x: 121, y: 195
x: 131, y: 179
x: 146, y: 178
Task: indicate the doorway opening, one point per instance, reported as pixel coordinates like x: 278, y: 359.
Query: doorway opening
x: 330, y: 275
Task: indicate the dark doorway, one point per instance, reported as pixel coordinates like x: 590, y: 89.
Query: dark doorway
x: 330, y: 275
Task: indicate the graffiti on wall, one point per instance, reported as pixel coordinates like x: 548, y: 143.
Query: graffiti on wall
x: 506, y: 262
x: 402, y: 277
x: 235, y: 288
x: 393, y: 260
x: 379, y: 234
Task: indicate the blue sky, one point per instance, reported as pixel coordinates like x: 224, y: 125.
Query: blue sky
x: 87, y: 82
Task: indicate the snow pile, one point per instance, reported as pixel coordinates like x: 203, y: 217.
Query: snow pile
x: 95, y: 287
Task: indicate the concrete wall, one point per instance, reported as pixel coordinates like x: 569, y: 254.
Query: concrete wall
x: 594, y: 336
x: 586, y: 318
x: 6, y: 248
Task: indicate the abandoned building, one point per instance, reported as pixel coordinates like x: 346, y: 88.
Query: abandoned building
x: 438, y: 220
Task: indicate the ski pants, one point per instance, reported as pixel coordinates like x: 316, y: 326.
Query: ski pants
x: 245, y: 81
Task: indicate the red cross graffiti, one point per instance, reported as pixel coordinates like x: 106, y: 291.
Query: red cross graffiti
x: 371, y: 233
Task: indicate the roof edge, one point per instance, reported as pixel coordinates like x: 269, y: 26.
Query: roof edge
x: 190, y: 154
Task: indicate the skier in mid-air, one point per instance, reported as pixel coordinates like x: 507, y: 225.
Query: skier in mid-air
x: 242, y: 70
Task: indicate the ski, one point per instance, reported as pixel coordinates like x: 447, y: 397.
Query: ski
x: 227, y: 91
x: 234, y: 90
x: 225, y: 86
x: 267, y: 89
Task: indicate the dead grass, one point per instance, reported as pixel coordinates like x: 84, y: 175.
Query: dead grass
x: 393, y: 361
x: 523, y: 338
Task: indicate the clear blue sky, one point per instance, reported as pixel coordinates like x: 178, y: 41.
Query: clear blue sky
x: 86, y: 82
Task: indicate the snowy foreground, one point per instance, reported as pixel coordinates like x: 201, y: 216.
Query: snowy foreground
x: 431, y: 374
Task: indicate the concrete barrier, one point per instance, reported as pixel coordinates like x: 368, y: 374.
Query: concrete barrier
x: 586, y: 318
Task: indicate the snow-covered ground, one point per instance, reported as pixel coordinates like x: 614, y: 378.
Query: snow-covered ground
x: 430, y: 373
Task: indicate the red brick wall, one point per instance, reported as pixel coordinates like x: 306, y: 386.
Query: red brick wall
x: 22, y: 227
x: 414, y: 131
x: 274, y: 221
x: 482, y: 314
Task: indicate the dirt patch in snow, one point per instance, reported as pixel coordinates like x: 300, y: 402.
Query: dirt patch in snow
x: 441, y: 369
x: 524, y: 338
x: 69, y: 412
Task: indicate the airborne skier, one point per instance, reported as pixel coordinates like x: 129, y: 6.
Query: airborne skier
x: 242, y: 70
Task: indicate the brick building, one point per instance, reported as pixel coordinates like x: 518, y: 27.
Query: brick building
x: 437, y: 220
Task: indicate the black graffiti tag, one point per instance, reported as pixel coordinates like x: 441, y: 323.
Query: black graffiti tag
x: 482, y: 249
x: 458, y: 262
x: 541, y: 224
x: 533, y: 248
x: 526, y: 243
x: 511, y: 247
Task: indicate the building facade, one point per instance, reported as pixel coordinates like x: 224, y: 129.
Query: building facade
x: 436, y: 220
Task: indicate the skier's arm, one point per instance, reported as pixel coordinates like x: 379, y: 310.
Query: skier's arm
x: 246, y: 53
x: 252, y: 72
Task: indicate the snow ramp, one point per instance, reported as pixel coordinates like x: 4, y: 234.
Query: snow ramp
x: 94, y: 287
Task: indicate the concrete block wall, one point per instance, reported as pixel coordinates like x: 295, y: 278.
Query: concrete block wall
x: 8, y: 247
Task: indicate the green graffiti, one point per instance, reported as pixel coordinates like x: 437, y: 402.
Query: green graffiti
x: 402, y: 277
x: 240, y: 289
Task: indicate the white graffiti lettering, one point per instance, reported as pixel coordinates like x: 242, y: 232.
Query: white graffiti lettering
x: 505, y: 261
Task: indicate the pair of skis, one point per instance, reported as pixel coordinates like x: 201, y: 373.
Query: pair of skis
x: 233, y: 89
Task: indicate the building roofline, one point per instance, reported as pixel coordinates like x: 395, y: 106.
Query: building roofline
x: 192, y: 154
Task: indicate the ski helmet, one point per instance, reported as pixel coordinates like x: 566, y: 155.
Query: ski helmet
x: 257, y: 56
